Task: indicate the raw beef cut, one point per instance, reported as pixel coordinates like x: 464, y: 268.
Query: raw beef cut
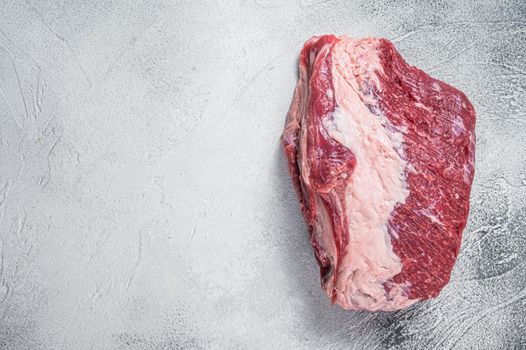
x: 382, y: 158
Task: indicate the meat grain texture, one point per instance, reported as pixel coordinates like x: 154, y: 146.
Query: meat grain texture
x: 382, y: 159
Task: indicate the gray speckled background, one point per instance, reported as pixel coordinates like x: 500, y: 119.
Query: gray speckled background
x: 144, y: 200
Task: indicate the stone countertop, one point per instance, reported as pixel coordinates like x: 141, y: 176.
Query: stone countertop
x: 144, y: 198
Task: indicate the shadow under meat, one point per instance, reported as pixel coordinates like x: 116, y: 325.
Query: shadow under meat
x: 320, y: 321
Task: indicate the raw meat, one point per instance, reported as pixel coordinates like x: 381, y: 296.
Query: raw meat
x: 382, y: 158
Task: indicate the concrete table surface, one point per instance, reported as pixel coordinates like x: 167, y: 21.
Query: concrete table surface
x: 144, y: 199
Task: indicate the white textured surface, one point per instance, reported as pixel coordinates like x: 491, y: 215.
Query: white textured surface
x: 144, y: 200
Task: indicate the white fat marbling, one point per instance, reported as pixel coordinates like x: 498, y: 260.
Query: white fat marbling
x: 377, y: 183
